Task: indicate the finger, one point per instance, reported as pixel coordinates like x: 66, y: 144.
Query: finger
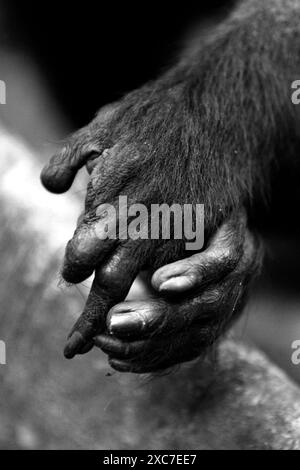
x: 87, y: 348
x: 154, y: 356
x: 58, y: 175
x: 204, y: 318
x: 211, y: 308
x: 154, y: 349
x: 111, y: 173
x: 97, y: 234
x: 162, y: 317
x: 86, y: 144
x: 111, y: 285
x: 201, y: 324
x: 251, y: 262
x: 123, y: 350
x: 221, y: 257
x: 94, y: 238
x: 202, y: 329
x: 138, y: 319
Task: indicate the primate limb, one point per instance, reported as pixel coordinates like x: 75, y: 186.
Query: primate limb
x: 207, y: 131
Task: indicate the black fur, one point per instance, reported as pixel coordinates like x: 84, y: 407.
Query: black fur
x: 207, y: 132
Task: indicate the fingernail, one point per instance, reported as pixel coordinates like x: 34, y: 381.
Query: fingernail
x: 74, y: 345
x: 177, y: 284
x: 125, y: 324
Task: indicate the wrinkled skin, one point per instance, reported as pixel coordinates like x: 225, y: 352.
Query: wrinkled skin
x: 193, y: 299
x: 206, y: 132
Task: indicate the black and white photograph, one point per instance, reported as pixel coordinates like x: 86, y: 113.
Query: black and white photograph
x: 149, y: 229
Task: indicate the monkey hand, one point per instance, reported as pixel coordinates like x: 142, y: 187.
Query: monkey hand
x: 154, y: 148
x: 196, y: 300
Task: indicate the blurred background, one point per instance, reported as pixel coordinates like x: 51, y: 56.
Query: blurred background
x: 61, y: 62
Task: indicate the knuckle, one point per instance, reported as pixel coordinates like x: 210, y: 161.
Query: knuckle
x: 193, y: 267
x: 146, y: 315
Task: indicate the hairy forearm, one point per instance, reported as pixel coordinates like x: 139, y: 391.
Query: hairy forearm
x: 245, y: 69
x: 214, y: 123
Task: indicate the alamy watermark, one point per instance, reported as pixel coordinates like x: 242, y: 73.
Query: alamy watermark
x: 157, y: 222
x: 295, y: 358
x: 296, y: 93
x: 2, y: 353
x: 2, y: 92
